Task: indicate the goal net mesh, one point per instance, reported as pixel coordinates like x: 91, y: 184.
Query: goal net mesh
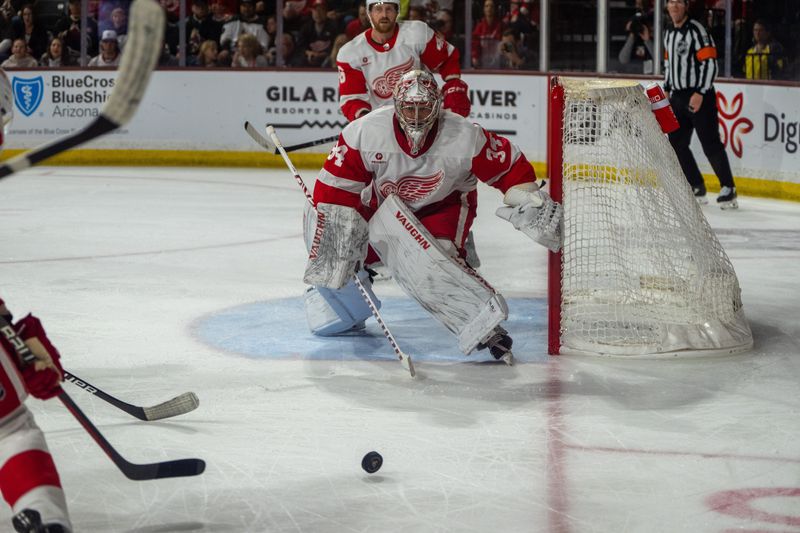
x: 642, y: 271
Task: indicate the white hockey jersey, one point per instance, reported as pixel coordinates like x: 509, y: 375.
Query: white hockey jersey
x: 372, y: 159
x: 368, y: 71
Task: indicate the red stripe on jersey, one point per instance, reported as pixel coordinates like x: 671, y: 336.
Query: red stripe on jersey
x: 493, y: 159
x: 351, y: 80
x: 494, y: 162
x: 26, y: 471
x: 452, y: 66
x: 325, y: 194
x: 345, y: 162
x: 520, y: 172
x: 435, y: 53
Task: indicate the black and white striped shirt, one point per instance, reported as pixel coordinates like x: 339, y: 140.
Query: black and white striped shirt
x: 690, y: 58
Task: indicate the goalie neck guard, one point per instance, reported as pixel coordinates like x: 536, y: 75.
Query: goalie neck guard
x: 417, y: 102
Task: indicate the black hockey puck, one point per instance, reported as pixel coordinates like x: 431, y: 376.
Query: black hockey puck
x: 372, y: 462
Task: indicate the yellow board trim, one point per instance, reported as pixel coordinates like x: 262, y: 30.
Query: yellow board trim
x: 781, y: 190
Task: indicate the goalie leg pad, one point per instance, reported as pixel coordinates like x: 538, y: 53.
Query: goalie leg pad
x: 334, y: 311
x: 450, y: 291
x: 338, y: 245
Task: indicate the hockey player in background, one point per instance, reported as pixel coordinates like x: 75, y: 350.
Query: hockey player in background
x: 28, y: 477
x: 403, y: 179
x: 371, y: 64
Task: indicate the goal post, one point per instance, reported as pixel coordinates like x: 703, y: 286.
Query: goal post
x: 641, y: 273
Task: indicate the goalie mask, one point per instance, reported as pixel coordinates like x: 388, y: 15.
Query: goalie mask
x: 417, y: 101
x: 6, y: 105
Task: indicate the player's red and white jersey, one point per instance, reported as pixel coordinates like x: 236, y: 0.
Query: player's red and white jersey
x: 368, y: 71
x: 12, y: 387
x: 373, y: 154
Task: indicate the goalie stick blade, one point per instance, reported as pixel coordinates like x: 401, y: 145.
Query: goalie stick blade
x: 180, y: 405
x: 145, y: 33
x: 405, y: 360
x: 258, y: 138
x: 167, y: 469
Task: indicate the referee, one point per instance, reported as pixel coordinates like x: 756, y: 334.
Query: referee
x: 690, y: 65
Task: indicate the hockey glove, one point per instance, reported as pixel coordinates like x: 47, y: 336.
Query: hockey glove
x: 534, y: 213
x: 42, y: 378
x: 456, y: 96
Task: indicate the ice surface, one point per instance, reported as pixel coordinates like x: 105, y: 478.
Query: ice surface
x: 156, y: 281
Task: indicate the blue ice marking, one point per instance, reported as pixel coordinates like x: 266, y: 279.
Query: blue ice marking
x: 276, y: 329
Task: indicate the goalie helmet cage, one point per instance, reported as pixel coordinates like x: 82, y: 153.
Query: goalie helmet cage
x: 641, y: 273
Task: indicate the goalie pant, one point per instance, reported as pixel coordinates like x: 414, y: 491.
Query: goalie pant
x: 28, y: 475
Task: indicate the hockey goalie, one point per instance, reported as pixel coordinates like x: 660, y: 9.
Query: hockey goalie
x: 399, y: 187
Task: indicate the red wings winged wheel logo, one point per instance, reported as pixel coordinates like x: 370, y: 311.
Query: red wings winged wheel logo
x: 412, y: 188
x: 384, y: 85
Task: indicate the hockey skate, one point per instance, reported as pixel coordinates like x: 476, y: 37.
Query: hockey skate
x: 30, y: 521
x: 727, y: 198
x: 499, y: 344
x: 700, y: 195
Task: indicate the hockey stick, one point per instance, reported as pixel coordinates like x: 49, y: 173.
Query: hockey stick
x: 136, y: 472
x: 267, y: 145
x: 141, y: 52
x: 404, y: 359
x: 179, y: 405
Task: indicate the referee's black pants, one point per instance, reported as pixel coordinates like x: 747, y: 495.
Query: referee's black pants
x: 706, y: 122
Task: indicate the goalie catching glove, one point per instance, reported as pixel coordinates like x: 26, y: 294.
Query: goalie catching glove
x: 534, y: 213
x: 338, y: 246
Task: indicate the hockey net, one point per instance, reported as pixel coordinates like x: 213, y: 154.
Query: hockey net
x: 641, y: 273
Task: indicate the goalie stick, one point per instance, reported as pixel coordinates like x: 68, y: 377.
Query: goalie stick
x: 404, y: 359
x: 179, y: 405
x: 308, y: 144
x: 134, y: 471
x: 142, y: 49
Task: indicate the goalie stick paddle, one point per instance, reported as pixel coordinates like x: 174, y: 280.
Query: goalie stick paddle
x: 136, y: 472
x: 179, y: 405
x: 142, y: 49
x: 264, y: 142
x: 404, y: 358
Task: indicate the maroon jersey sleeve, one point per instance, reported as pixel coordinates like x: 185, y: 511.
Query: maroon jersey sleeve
x: 500, y: 163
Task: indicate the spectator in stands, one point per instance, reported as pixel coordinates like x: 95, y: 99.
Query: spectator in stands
x: 167, y: 59
x: 57, y: 55
x: 766, y: 60
x: 443, y: 23
x: 295, y: 14
x: 248, y: 53
x: 6, y: 38
x: 358, y: 24
x: 271, y: 27
x: 117, y: 21
x: 292, y: 57
x: 330, y: 61
x: 246, y: 22
x: 219, y: 11
x: 416, y: 13
x: 109, y: 51
x: 201, y: 27
x: 637, y: 52
x: 24, y: 27
x: 68, y: 29
x: 207, y: 55
x: 486, y: 38
x: 520, y: 18
x: 318, y: 34
x: 513, y: 54
x: 19, y: 56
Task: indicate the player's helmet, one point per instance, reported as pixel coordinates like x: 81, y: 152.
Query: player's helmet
x: 6, y: 105
x: 371, y: 3
x: 417, y: 101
